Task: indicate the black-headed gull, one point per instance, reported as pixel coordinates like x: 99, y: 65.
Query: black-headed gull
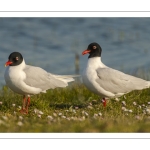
x: 105, y: 81
x: 29, y: 80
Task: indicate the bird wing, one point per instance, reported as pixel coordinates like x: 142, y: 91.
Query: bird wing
x: 39, y: 78
x: 118, y: 82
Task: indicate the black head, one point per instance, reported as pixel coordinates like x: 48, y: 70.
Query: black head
x: 93, y: 49
x: 14, y: 59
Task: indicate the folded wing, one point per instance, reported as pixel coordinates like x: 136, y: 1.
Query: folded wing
x: 119, y: 82
x: 39, y: 78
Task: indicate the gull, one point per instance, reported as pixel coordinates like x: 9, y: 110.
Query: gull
x: 105, y: 81
x: 29, y: 80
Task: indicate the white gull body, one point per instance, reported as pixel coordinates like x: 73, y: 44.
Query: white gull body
x: 29, y: 80
x: 109, y: 82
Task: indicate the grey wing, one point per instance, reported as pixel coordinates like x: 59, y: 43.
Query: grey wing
x: 39, y: 78
x: 119, y: 82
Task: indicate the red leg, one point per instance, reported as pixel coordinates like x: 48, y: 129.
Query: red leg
x: 104, y: 102
x: 23, y: 110
x: 27, y: 104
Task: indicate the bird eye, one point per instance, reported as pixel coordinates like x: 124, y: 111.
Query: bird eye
x: 17, y: 58
x: 94, y: 47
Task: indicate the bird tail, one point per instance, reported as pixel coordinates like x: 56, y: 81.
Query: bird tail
x: 67, y: 78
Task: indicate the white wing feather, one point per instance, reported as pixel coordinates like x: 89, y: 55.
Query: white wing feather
x: 39, y: 78
x: 119, y: 82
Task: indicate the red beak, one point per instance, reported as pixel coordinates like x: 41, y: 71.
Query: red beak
x: 85, y: 52
x: 8, y: 63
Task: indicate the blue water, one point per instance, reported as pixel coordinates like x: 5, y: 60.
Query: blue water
x: 51, y: 43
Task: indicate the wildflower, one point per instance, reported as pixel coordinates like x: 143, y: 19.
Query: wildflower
x: 124, y: 109
x: 117, y: 99
x: 148, y: 103
x: 86, y: 113
x: 76, y: 107
x: 73, y: 111
x: 36, y: 111
x: 60, y: 114
x: 83, y: 112
x: 134, y: 103
x: 63, y: 117
x: 90, y: 107
x: 40, y: 112
x: 13, y: 105
x: 4, y: 117
x: 54, y: 114
x: 39, y: 115
x: 144, y: 112
x: 123, y: 103
x: 20, y: 117
x: 19, y: 107
x: 83, y: 117
x: 137, y: 117
x: 50, y: 117
x: 130, y: 111
x: 148, y: 111
x: 19, y: 123
x: 1, y: 102
x: 95, y: 115
x: 100, y: 114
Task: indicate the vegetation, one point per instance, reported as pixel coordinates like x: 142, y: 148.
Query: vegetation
x: 75, y: 109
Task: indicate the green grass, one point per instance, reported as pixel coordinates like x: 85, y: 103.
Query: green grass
x: 75, y: 109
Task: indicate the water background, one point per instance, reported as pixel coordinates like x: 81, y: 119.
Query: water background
x: 53, y: 43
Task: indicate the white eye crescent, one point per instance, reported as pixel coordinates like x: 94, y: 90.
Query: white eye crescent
x: 94, y: 47
x: 17, y: 58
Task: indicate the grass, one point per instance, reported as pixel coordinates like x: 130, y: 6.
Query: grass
x: 75, y: 109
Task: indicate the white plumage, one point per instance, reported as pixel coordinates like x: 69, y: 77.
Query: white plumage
x: 29, y: 80
x: 106, y: 81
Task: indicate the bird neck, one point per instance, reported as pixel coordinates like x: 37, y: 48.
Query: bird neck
x: 95, y: 62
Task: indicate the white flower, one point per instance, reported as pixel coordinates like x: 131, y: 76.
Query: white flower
x: 130, y: 111
x: 50, y: 117
x: 39, y: 115
x: 137, y: 117
x: 148, y: 111
x: 20, y: 117
x: 148, y: 103
x: 123, y: 103
x: 5, y: 118
x: 19, y: 107
x: 40, y: 112
x: 54, y: 114
x: 76, y: 107
x: 13, y: 105
x: 19, y: 123
x: 124, y: 109
x: 63, y: 117
x: 95, y: 115
x: 134, y: 103
x: 1, y: 102
x: 90, y: 107
x: 117, y: 99
x: 86, y: 113
x: 100, y: 114
x: 60, y: 114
